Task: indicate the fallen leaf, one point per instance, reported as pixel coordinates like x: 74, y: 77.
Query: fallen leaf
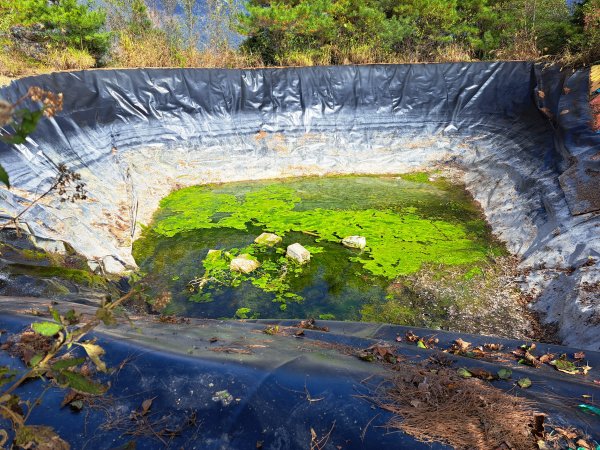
x: 583, y: 444
x: 464, y: 373
x: 579, y: 355
x: 146, y: 405
x: 564, y: 366
x: 567, y: 433
x: 462, y: 345
x: 482, y: 374
x: 493, y: 347
x: 411, y: 337
x: 524, y: 383
x: 504, y: 373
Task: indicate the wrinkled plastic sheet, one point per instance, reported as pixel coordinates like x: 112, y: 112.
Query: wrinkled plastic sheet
x: 521, y: 133
x: 136, y: 134
x: 285, y: 387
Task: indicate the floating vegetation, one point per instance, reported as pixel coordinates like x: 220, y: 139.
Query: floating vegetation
x: 201, y: 245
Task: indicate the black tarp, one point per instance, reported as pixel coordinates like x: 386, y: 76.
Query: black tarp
x: 124, y: 109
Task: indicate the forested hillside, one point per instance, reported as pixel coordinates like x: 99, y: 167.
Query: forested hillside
x: 44, y: 35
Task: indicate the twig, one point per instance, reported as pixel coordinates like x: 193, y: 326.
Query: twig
x: 320, y: 444
x: 309, y: 398
x: 364, y: 431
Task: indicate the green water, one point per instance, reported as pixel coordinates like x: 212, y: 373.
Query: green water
x: 410, y: 223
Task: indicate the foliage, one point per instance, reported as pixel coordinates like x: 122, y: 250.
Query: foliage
x: 311, y: 31
x: 64, y: 23
x: 53, y: 360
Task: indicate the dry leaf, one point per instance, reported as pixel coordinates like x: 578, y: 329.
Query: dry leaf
x: 146, y: 405
x: 94, y: 352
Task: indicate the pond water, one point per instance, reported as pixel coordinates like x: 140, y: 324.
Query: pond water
x: 411, y: 223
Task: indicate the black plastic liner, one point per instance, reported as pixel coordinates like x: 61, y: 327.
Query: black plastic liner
x: 122, y: 108
x: 543, y: 110
x: 283, y: 389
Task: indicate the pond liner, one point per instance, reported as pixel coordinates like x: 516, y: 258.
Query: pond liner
x: 281, y: 390
x: 520, y: 131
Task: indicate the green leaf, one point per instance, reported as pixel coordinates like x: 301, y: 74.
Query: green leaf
x: 421, y: 344
x: 81, y: 384
x: 464, y: 373
x: 72, y: 317
x: 4, y: 177
x: 504, y: 374
x: 6, y: 375
x: 66, y: 363
x: 524, y: 383
x: 55, y: 315
x: 565, y: 366
x: 48, y: 329
x: 106, y: 316
x: 35, y: 360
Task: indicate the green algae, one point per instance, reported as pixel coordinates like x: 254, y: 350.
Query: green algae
x: 76, y: 276
x: 399, y: 241
x: 409, y: 222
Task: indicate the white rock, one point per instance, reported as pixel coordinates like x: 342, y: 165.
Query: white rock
x: 244, y: 263
x: 268, y: 239
x: 298, y: 253
x: 113, y: 265
x: 359, y: 242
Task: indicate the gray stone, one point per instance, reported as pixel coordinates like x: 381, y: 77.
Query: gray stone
x: 268, y: 239
x: 359, y: 242
x: 244, y: 264
x: 298, y: 253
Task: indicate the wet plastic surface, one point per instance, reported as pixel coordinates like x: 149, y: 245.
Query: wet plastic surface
x: 285, y: 387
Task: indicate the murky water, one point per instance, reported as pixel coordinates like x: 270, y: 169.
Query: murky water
x: 411, y: 223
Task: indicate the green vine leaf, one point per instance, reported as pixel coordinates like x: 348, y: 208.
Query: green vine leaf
x: 66, y: 363
x: 35, y: 360
x: 106, y: 316
x: 81, y: 384
x: 48, y: 329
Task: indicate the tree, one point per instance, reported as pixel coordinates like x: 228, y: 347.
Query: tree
x: 66, y: 23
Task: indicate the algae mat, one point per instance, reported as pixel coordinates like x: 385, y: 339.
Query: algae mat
x: 409, y: 222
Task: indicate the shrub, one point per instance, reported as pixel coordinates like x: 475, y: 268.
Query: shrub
x: 65, y: 23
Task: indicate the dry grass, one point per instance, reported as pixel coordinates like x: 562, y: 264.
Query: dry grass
x: 524, y: 47
x: 453, y: 53
x: 14, y: 64
x: 5, y: 81
x: 70, y: 59
x: 440, y: 406
x: 154, y: 50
